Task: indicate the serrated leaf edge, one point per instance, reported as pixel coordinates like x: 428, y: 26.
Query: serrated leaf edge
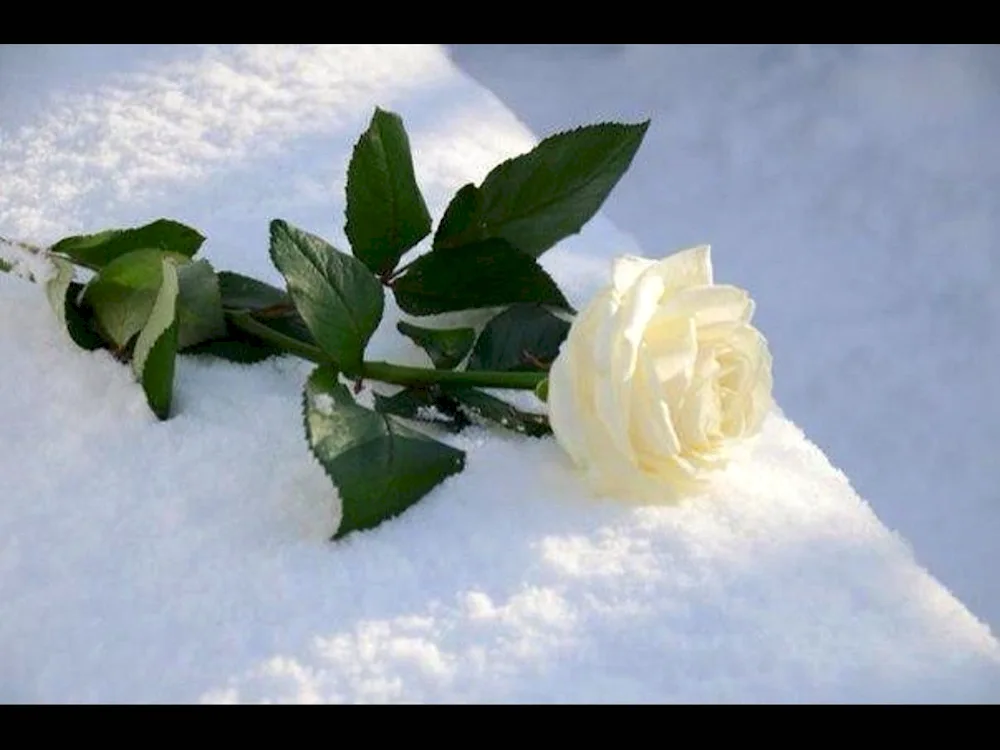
x: 220, y: 328
x: 118, y: 232
x: 554, y: 197
x: 561, y: 304
x: 351, y: 315
x: 393, y: 208
x: 389, y: 421
x: 471, y: 335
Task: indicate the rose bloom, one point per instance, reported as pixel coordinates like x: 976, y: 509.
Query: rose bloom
x: 660, y: 375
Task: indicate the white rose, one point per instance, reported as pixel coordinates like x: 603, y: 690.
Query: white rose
x: 660, y: 374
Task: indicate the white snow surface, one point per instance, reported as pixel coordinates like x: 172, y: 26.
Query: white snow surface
x: 188, y: 560
x: 855, y: 188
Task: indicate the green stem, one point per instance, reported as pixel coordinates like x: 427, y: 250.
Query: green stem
x: 386, y: 372
x: 246, y: 322
x: 402, y: 375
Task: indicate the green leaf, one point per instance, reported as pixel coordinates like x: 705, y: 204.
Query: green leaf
x: 425, y: 403
x: 291, y: 326
x: 57, y: 286
x: 199, y: 305
x: 287, y: 334
x: 485, y: 274
x: 62, y: 293
x: 240, y: 345
x: 521, y: 338
x: 123, y: 293
x: 386, y: 214
x: 445, y: 347
x: 380, y: 466
x: 98, y: 250
x: 6, y: 266
x: 156, y: 347
x: 459, y: 217
x: 453, y: 406
x: 542, y: 390
x: 406, y: 403
x: 493, y: 409
x: 268, y: 305
x: 236, y: 345
x: 241, y: 292
x: 339, y: 299
x: 80, y: 322
x: 549, y: 193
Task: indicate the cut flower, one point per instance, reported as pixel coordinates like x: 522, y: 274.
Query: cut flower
x: 660, y: 375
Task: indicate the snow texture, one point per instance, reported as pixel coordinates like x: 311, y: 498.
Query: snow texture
x: 855, y: 188
x: 189, y: 560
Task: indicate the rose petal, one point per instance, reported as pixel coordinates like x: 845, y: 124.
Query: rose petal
x: 638, y: 306
x: 687, y: 268
x: 564, y: 414
x: 618, y: 344
x: 672, y: 346
x: 697, y: 414
x: 762, y: 399
x: 571, y: 379
x: 655, y: 374
x: 709, y: 305
x: 626, y: 269
x: 651, y: 426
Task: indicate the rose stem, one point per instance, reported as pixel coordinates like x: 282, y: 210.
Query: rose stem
x: 390, y: 373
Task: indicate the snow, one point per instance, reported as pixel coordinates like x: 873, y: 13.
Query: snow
x: 855, y: 187
x: 189, y: 560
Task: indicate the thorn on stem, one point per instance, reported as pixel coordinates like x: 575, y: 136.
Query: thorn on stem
x: 275, y: 311
x: 534, y: 361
